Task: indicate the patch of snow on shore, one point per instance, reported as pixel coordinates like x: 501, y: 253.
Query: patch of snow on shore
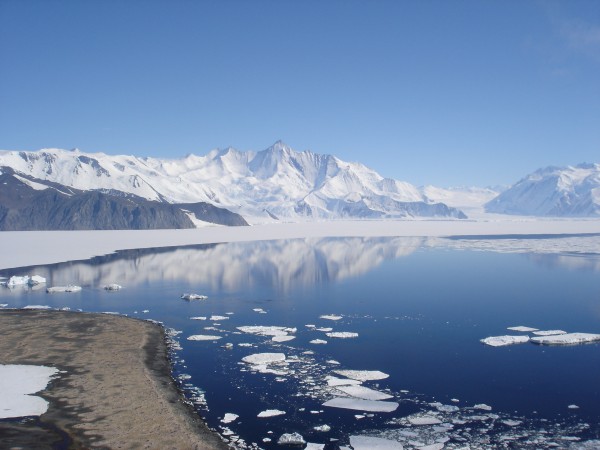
x: 17, y: 382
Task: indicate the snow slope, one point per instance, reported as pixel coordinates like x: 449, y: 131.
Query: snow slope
x: 554, y: 191
x: 276, y: 183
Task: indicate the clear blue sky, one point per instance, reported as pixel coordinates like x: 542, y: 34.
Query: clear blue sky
x: 431, y: 92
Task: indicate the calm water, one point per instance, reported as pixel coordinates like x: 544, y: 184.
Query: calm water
x: 419, y: 311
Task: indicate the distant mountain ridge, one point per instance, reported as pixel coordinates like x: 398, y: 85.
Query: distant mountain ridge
x: 572, y: 191
x: 276, y: 183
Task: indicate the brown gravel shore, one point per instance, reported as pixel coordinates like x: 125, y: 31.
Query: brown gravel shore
x: 116, y: 390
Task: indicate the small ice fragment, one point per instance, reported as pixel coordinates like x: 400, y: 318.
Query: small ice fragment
x: 359, y: 416
x: 333, y: 361
x: 282, y: 338
x: 271, y: 413
x: 113, y: 287
x: 266, y: 440
x: 566, y: 339
x: 217, y: 318
x: 424, y: 420
x: 229, y: 417
x: 364, y: 393
x: 313, y: 446
x: 203, y: 337
x: 35, y: 280
x: 198, y: 318
x: 324, y: 329
x: 310, y: 326
x: 291, y: 439
x: 512, y: 423
x: 342, y: 334
x: 267, y: 330
x: 188, y: 296
x: 483, y: 407
x: 373, y: 443
x: 573, y: 407
x: 361, y: 405
x: 317, y: 341
x: 500, y: 341
x: 362, y: 375
x: 146, y: 311
x: 322, y: 428
x: 455, y: 400
x: 522, y: 329
x: 330, y: 317
x: 264, y: 358
x: 549, y: 332
x: 435, y: 446
x: 259, y: 310
x: 68, y: 288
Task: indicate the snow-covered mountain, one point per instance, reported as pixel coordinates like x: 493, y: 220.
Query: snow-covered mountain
x: 276, y: 183
x: 553, y: 191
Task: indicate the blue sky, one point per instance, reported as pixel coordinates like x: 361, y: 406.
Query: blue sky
x: 431, y: 92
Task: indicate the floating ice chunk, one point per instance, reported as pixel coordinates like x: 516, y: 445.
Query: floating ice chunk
x: 35, y: 280
x: 424, y: 420
x: 229, y: 417
x: 317, y: 341
x: 512, y: 423
x: 3, y: 305
x: 330, y: 317
x: 264, y: 358
x: 113, y: 287
x: 291, y: 439
x: 364, y: 393
x: 549, y: 332
x: 455, y: 400
x: 322, y: 428
x: 359, y: 416
x: 362, y: 375
x: 573, y: 407
x: 217, y: 318
x: 483, y: 407
x: 500, y: 341
x: 310, y: 326
x: 282, y: 338
x: 17, y: 281
x: 566, y: 339
x: 333, y: 361
x: 522, y: 329
x: 313, y: 446
x: 198, y: 318
x: 68, y: 288
x: 361, y: 405
x: 188, y: 296
x: 203, y: 337
x: 435, y: 446
x: 335, y: 381
x: 271, y: 413
x: 259, y: 310
x: 342, y: 334
x: 267, y: 330
x: 373, y: 443
x: 36, y: 307
x: 17, y: 382
x: 324, y: 329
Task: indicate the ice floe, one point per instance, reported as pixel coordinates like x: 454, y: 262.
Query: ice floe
x: 291, y: 439
x: 363, y: 392
x: 573, y: 407
x: 261, y: 330
x: 330, y: 317
x: 373, y: 443
x: 522, y: 329
x: 203, y: 337
x: 322, y: 428
x: 17, y: 383
x: 113, y: 287
x: 217, y: 318
x: 549, y: 332
x: 335, y: 381
x: 342, y: 334
x: 362, y: 375
x: 500, y: 341
x: 317, y: 341
x: 68, y: 288
x: 229, y: 417
x: 188, y: 296
x: 259, y: 310
x: 282, y: 338
x: 566, y: 339
x: 264, y: 358
x: 324, y: 329
x: 482, y: 406
x: 424, y: 420
x: 198, y: 318
x: 270, y: 413
x: 358, y: 404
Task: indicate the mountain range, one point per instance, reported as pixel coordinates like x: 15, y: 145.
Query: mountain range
x: 70, y: 189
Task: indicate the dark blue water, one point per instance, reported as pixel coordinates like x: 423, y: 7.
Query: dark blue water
x: 419, y: 312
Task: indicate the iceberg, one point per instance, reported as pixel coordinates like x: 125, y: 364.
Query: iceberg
x: 203, y: 337
x: 363, y: 392
x: 362, y: 375
x: 270, y: 413
x: 35, y: 280
x: 68, y: 288
x: 373, y: 443
x: 16, y: 281
x: 361, y: 405
x: 291, y: 439
x: 549, y: 332
x: 113, y: 287
x: 500, y: 341
x: 342, y: 334
x: 193, y: 297
x: 566, y: 339
x: 522, y: 329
